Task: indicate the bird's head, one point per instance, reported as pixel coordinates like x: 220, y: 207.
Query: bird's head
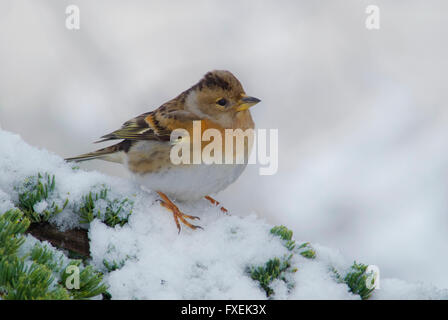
x: 220, y: 97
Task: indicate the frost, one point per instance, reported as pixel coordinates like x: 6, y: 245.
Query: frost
x: 5, y: 202
x: 40, y: 206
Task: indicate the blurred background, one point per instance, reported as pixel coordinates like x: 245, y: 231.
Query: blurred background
x: 361, y: 114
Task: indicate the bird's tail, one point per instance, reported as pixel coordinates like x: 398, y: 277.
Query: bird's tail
x: 113, y: 153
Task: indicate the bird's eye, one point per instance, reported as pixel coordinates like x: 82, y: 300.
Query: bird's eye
x: 221, y: 102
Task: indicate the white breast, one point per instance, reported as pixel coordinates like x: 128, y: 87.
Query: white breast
x: 192, y: 182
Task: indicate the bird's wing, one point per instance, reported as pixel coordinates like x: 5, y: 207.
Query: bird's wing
x: 154, y: 125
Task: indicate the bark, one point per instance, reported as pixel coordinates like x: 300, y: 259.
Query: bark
x: 75, y: 240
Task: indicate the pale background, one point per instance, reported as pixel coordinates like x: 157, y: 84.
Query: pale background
x: 362, y: 115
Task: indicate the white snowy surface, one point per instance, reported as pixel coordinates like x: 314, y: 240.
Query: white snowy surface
x: 5, y: 202
x: 159, y: 263
x: 19, y: 161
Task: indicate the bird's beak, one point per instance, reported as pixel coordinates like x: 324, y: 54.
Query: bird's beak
x: 246, y: 102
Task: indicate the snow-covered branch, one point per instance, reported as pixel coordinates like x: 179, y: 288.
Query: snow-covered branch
x: 135, y: 251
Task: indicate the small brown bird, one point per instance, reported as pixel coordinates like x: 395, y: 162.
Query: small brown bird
x: 217, y: 101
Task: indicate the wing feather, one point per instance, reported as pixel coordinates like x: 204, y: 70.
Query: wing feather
x: 142, y: 127
x: 154, y: 125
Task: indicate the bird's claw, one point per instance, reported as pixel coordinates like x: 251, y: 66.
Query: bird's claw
x: 177, y: 214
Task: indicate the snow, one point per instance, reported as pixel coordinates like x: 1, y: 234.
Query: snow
x: 40, y: 206
x: 5, y: 202
x: 396, y: 289
x: 19, y: 161
x: 155, y: 262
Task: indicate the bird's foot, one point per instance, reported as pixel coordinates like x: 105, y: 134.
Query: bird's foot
x: 177, y: 214
x: 216, y: 203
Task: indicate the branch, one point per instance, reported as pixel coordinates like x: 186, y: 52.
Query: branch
x: 75, y: 240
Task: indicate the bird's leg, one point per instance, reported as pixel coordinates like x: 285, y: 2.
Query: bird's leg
x: 177, y: 214
x: 216, y: 203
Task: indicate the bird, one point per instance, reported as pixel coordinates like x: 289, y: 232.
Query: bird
x: 217, y: 101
